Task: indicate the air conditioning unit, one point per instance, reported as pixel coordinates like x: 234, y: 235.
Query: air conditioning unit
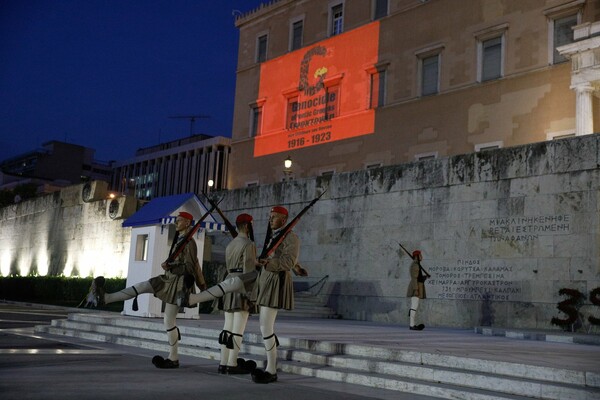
x: 94, y: 191
x: 121, y: 207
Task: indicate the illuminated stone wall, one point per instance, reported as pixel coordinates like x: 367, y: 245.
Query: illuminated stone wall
x: 59, y: 234
x: 502, y: 231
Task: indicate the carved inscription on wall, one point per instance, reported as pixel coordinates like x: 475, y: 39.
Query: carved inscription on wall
x: 522, y: 229
x: 481, y: 279
x: 471, y: 279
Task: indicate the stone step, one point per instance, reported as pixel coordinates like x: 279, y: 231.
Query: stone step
x: 309, y: 306
x: 394, y: 383
x: 423, y: 373
x: 323, y: 313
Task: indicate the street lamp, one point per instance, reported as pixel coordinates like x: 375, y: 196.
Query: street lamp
x: 288, y: 163
x: 287, y: 168
x: 211, y: 183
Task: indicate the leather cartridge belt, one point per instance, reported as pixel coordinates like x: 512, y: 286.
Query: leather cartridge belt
x: 236, y: 270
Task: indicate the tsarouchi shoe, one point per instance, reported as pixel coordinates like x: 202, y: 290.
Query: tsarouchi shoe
x: 222, y: 369
x: 248, y: 365
x: 237, y: 370
x: 161, y: 363
x: 260, y: 376
x: 419, y: 327
x: 95, y: 297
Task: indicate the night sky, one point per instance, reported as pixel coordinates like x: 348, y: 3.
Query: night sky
x: 108, y: 74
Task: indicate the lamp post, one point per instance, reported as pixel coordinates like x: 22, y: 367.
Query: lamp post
x: 287, y: 168
x: 210, y: 183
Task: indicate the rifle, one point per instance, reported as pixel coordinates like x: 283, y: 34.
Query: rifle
x: 406, y: 251
x: 188, y: 236
x: 269, y: 249
x: 427, y: 276
x: 232, y: 230
x: 268, y: 235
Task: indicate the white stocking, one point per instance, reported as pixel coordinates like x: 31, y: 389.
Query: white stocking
x: 128, y: 293
x: 239, y: 325
x: 227, y: 326
x: 267, y: 324
x: 170, y: 319
x: 234, y: 284
x: 414, y: 306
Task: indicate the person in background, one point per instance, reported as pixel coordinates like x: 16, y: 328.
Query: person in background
x: 416, y: 289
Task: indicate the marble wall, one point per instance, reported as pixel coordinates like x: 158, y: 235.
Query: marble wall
x: 59, y: 234
x: 501, y: 231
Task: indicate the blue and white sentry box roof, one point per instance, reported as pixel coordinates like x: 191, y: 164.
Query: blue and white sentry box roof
x: 161, y: 210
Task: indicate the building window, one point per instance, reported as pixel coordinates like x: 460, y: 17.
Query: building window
x: 381, y: 9
x: 426, y: 156
x: 292, y: 113
x: 560, y: 135
x: 374, y: 165
x: 255, y: 120
x: 430, y: 71
x: 488, y: 146
x: 261, y: 48
x: 141, y: 248
x: 332, y: 102
x: 297, y: 29
x: 561, y: 19
x: 562, y: 34
x: 490, y: 51
x: 377, y: 96
x: 336, y: 19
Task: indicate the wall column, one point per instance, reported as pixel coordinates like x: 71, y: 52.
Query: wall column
x: 584, y: 54
x: 584, y: 114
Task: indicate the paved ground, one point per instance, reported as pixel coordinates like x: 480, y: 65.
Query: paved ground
x: 53, y: 367
x: 44, y: 367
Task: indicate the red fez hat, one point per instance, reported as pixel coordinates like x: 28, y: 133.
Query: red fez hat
x: 242, y: 218
x: 279, y: 210
x: 416, y: 253
x: 186, y: 215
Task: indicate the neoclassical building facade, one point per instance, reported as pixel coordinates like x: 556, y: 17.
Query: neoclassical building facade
x: 345, y: 85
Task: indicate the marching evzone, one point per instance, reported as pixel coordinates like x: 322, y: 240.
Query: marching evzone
x: 273, y: 289
x: 416, y: 289
x: 240, y: 257
x: 180, y: 275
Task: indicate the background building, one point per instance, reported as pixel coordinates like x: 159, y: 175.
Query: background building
x: 352, y: 84
x: 180, y: 166
x: 56, y: 164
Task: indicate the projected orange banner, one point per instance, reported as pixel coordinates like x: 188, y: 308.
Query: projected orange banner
x: 319, y: 94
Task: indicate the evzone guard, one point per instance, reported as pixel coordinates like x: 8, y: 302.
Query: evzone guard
x: 273, y: 289
x: 181, y: 271
x: 416, y: 287
x: 240, y: 258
